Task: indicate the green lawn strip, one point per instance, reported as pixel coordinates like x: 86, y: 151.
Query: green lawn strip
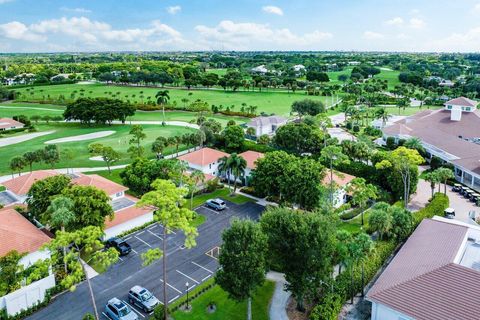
x: 79, y: 149
x: 114, y: 175
x: 224, y: 193
x: 409, y: 111
x: 225, y: 307
x: 355, y: 225
x: 268, y: 101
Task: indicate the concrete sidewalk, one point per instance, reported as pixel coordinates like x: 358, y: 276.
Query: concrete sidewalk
x: 278, y: 306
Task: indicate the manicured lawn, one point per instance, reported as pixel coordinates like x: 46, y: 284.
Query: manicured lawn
x: 114, y: 175
x: 226, y: 308
x: 390, y: 75
x: 409, y: 111
x: 278, y: 102
x: 355, y: 225
x: 220, y: 193
x: 9, y: 110
x: 78, y: 151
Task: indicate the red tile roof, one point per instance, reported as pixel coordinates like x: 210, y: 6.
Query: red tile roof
x: 423, y: 282
x: 203, y: 156
x: 251, y: 157
x: 462, y: 101
x: 340, y: 178
x: 127, y: 214
x: 100, y: 182
x: 6, y: 123
x: 21, y: 185
x: 17, y: 233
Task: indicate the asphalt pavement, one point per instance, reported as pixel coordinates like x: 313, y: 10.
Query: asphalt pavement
x: 195, y: 265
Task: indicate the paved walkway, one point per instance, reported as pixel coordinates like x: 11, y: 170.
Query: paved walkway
x: 260, y: 201
x: 278, y: 305
x: 341, y: 134
x: 22, y: 138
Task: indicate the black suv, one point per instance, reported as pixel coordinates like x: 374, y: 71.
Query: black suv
x: 121, y: 245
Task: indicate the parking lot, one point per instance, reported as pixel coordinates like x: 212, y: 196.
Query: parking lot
x: 195, y: 265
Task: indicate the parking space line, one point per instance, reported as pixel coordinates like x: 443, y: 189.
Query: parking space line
x: 131, y: 307
x: 183, y: 274
x: 173, y: 299
x: 143, y: 241
x: 106, y: 316
x: 214, y: 211
x: 134, y: 251
x: 206, y: 277
x: 153, y: 234
x: 120, y: 259
x: 127, y: 238
x: 168, y: 284
x: 139, y: 233
x: 152, y: 227
x: 202, y: 267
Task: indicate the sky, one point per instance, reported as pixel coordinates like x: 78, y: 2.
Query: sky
x: 243, y: 25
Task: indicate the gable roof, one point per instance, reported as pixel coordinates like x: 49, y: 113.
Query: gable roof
x: 21, y: 185
x: 340, y: 178
x: 8, y: 123
x: 203, y: 156
x: 424, y: 282
x: 17, y: 233
x: 251, y: 157
x: 266, y: 121
x: 99, y: 182
x: 127, y: 214
x: 462, y: 101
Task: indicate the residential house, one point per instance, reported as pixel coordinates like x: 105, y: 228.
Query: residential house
x: 18, y: 234
x: 340, y: 181
x: 262, y: 69
x: 10, y: 124
x: 205, y: 159
x: 127, y: 216
x: 266, y: 125
x: 251, y: 158
x: 435, y: 275
x: 451, y: 134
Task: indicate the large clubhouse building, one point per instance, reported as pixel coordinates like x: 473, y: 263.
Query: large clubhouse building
x: 451, y: 134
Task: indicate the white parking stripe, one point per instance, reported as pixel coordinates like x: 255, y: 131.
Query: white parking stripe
x: 173, y: 299
x: 139, y: 233
x: 152, y: 227
x: 120, y: 259
x: 168, y: 284
x: 214, y: 211
x: 206, y: 277
x: 134, y: 251
x: 192, y: 287
x: 106, y: 316
x: 183, y: 274
x: 134, y: 309
x: 155, y: 235
x: 127, y: 238
x: 143, y: 241
x: 202, y: 267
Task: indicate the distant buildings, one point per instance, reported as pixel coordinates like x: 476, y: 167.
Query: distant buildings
x: 435, y: 275
x: 266, y: 125
x: 10, y: 124
x: 451, y: 134
x: 262, y: 69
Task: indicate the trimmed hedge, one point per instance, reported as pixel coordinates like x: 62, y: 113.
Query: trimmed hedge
x: 437, y: 206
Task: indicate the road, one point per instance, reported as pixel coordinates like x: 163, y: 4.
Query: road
x: 194, y: 265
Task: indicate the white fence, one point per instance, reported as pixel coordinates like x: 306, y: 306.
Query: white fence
x: 26, y: 297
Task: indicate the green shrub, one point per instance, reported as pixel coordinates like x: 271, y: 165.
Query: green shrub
x: 159, y: 312
x: 88, y: 316
x: 250, y: 145
x: 328, y: 308
x: 213, y: 185
x: 348, y: 125
x: 356, y: 128
x: 436, y: 207
x: 391, y: 145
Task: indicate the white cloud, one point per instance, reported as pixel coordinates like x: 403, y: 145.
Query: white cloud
x: 76, y: 10
x: 273, y: 10
x: 468, y: 41
x: 397, y: 21
x: 253, y: 36
x: 174, y: 9
x: 416, y: 23
x: 18, y: 31
x: 370, y: 35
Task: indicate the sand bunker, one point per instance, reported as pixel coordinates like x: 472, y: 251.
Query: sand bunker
x: 82, y: 137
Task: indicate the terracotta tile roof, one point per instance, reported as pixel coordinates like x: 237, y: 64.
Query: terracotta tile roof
x: 17, y: 233
x: 251, y: 157
x: 127, y: 214
x: 423, y: 282
x: 203, y: 156
x: 100, y: 182
x: 462, y: 101
x: 21, y: 185
x: 6, y: 123
x: 340, y: 178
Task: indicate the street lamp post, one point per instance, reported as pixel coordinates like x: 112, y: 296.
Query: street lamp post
x: 187, y: 285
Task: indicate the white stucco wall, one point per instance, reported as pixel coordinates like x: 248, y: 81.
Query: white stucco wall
x: 27, y: 296
x: 128, y: 225
x: 33, y: 257
x: 339, y: 197
x: 382, y: 312
x: 211, y: 168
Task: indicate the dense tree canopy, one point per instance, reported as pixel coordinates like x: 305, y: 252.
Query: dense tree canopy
x: 98, y: 110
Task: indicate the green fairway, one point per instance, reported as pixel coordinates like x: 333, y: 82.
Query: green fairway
x: 278, y: 102
x: 227, y: 308
x: 385, y: 74
x: 9, y: 110
x: 75, y: 154
x: 409, y: 111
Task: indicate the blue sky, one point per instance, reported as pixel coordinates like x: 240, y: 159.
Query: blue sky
x: 363, y: 25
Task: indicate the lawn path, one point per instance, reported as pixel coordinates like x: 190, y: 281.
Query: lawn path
x: 17, y: 139
x: 278, y: 305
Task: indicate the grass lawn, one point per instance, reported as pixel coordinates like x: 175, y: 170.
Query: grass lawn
x: 8, y: 110
x: 278, y: 102
x: 220, y: 193
x: 385, y: 74
x: 218, y: 71
x: 409, y: 111
x: 75, y: 154
x: 114, y: 175
x: 226, y: 308
x: 355, y: 225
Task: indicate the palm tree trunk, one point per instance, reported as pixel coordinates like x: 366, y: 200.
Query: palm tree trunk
x: 163, y: 108
x: 165, y: 299
x: 92, y: 297
x: 445, y: 187
x: 249, y: 308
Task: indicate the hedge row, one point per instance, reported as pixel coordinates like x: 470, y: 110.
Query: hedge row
x: 331, y: 304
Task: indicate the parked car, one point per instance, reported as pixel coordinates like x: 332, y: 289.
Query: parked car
x: 116, y: 309
x: 463, y: 190
x: 142, y: 298
x: 121, y: 245
x: 449, y: 213
x: 468, y: 194
x: 216, y: 204
x: 457, y: 187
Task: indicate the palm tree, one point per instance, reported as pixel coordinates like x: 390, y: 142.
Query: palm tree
x: 382, y: 114
x: 432, y: 177
x: 61, y: 214
x: 162, y: 99
x: 414, y: 143
x: 224, y: 168
x: 443, y: 175
x: 237, y: 165
x: 197, y: 177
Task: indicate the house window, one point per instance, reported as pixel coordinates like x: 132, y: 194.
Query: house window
x: 449, y: 107
x: 118, y: 194
x: 468, y: 109
x: 210, y: 166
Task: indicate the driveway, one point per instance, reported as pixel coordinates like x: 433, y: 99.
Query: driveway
x: 338, y: 118
x: 195, y: 265
x: 341, y: 134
